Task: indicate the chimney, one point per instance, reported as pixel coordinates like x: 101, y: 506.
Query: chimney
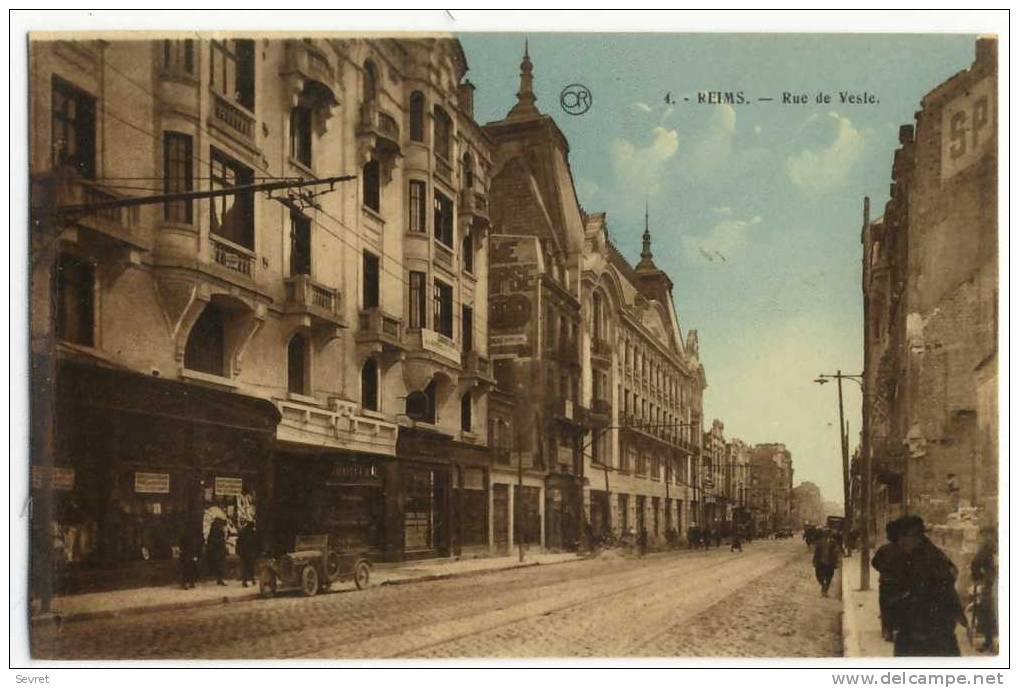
x: 465, y: 98
x: 987, y: 51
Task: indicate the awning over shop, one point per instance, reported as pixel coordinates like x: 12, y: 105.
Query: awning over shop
x: 96, y: 387
x: 418, y: 443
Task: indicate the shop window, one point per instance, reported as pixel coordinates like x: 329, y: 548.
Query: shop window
x: 417, y: 116
x: 300, y: 244
x: 370, y: 275
x: 467, y: 325
x: 443, y: 134
x: 370, y: 185
x: 467, y: 252
x: 443, y: 315
x: 179, y: 56
x: 206, y: 346
x: 465, y: 412
x: 298, y: 355
x: 73, y: 129
x: 300, y: 135
x: 178, y: 176
x: 75, y: 300
x: 232, y: 70
x: 443, y: 219
x: 370, y: 385
x: 232, y: 215
x: 624, y: 512
x: 468, y: 171
x: 418, y: 210
x: 417, y: 295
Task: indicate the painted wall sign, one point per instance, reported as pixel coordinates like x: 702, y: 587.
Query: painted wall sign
x: 152, y: 483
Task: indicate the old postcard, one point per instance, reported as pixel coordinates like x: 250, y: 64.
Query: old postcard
x: 461, y: 344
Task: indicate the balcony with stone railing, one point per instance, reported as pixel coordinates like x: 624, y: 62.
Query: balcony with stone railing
x: 232, y: 118
x: 340, y: 424
x: 478, y: 367
x: 308, y: 62
x: 321, y: 305
x: 118, y: 224
x: 379, y: 330
x: 601, y: 413
x: 474, y: 207
x: 231, y: 256
x: 379, y: 129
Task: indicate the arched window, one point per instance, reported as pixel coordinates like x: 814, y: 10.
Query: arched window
x: 465, y: 412
x: 370, y: 81
x: 298, y: 353
x: 206, y: 347
x: 370, y: 385
x: 468, y: 169
x: 443, y: 138
x: 430, y: 393
x: 417, y: 116
x: 596, y: 316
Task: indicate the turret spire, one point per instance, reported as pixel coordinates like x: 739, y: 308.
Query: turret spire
x: 525, y: 96
x: 646, y: 259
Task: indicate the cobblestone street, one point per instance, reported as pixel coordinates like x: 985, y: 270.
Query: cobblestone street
x: 762, y: 602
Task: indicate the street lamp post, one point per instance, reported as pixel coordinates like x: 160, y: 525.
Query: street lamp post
x: 865, y: 492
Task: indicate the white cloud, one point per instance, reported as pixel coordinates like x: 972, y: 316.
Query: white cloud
x: 721, y: 241
x: 757, y: 129
x: 823, y: 169
x: 713, y: 146
x: 643, y: 107
x: 640, y: 170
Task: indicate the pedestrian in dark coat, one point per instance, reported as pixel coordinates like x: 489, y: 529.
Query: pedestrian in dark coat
x: 930, y: 606
x: 890, y: 562
x: 248, y: 551
x: 642, y: 542
x: 984, y: 570
x: 826, y: 560
x: 215, y: 550
x: 737, y: 542
x: 190, y: 553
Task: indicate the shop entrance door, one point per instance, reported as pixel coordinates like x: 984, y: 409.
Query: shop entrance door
x: 500, y: 517
x: 641, y: 516
x: 425, y: 509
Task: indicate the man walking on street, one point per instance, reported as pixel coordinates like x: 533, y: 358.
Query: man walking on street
x: 930, y: 607
x: 826, y: 560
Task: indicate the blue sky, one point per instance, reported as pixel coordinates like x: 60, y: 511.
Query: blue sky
x: 756, y: 209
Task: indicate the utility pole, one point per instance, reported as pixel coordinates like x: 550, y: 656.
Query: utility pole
x: 865, y: 449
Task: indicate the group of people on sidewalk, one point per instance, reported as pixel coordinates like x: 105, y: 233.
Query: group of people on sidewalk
x: 920, y: 606
x: 192, y: 544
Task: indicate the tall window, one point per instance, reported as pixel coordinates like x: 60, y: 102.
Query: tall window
x: 417, y: 116
x: 298, y: 352
x: 300, y: 244
x: 596, y: 316
x: 416, y: 310
x: 443, y: 134
x: 371, y: 280
x: 443, y: 219
x: 467, y: 251
x: 206, y: 347
x: 370, y: 185
x: 468, y: 171
x: 233, y: 214
x: 465, y: 412
x: 418, y: 209
x: 300, y: 135
x: 232, y: 70
x: 370, y: 82
x: 432, y: 396
x: 370, y: 385
x: 177, y: 175
x: 75, y: 300
x: 73, y: 129
x: 179, y: 56
x: 467, y: 324
x: 443, y: 315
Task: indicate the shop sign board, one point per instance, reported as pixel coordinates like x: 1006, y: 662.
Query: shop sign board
x: 152, y: 483
x: 229, y: 487
x: 60, y: 478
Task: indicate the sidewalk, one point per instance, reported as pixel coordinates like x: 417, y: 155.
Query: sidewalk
x: 96, y: 605
x: 861, y: 621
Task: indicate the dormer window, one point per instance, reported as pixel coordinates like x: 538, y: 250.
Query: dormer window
x: 443, y: 134
x: 370, y: 82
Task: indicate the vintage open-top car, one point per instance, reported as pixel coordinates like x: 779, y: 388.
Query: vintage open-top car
x: 311, y: 567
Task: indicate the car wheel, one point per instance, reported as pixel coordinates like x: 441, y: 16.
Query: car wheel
x: 362, y: 575
x: 267, y: 585
x: 309, y: 581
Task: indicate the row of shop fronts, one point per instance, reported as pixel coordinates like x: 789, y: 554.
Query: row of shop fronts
x: 139, y: 459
